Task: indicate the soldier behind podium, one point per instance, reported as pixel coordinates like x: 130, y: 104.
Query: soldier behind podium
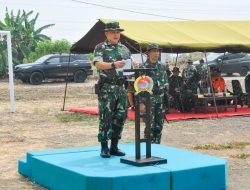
x: 175, y: 84
x: 112, y: 100
x: 160, y: 81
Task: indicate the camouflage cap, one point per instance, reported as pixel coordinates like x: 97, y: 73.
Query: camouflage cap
x: 113, y: 26
x: 152, y: 46
x: 176, y: 69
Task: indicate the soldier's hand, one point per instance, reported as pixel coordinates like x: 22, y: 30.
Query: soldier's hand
x: 119, y: 64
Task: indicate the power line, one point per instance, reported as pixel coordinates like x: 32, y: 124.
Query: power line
x: 126, y: 10
x: 198, y: 9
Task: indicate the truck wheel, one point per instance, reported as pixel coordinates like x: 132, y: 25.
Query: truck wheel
x: 80, y: 76
x: 36, y: 78
x: 243, y: 71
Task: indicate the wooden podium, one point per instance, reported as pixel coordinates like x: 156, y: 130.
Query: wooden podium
x: 147, y: 159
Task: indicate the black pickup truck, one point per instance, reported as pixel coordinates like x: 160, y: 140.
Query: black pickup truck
x: 55, y: 66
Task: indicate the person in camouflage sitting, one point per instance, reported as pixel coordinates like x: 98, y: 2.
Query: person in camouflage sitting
x: 175, y: 84
x: 112, y: 101
x: 157, y: 101
x: 188, y: 91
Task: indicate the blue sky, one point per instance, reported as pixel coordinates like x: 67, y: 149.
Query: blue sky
x: 73, y: 18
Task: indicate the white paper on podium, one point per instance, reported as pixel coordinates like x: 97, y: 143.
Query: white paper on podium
x: 127, y: 65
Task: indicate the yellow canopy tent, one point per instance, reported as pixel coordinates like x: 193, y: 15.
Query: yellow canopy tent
x: 174, y: 36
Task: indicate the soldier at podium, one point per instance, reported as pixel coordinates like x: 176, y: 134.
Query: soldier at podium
x: 112, y: 101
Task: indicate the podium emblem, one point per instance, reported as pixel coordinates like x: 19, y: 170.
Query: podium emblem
x: 143, y: 83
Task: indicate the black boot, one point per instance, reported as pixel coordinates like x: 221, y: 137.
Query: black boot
x: 105, y: 150
x: 114, y: 150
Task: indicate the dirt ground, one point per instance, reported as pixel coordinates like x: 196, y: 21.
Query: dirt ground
x: 38, y: 124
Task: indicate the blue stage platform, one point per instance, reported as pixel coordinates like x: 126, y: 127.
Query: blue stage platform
x: 83, y: 169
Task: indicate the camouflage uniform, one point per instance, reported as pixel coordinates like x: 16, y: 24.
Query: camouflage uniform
x: 157, y: 99
x: 202, y: 70
x: 188, y: 72
x: 188, y: 91
x: 176, y: 82
x: 112, y: 100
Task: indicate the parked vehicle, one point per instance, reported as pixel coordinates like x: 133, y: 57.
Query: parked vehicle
x: 55, y: 66
x: 230, y: 63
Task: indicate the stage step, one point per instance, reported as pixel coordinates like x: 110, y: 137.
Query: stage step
x: 83, y: 169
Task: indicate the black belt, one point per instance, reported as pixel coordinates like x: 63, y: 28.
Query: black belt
x: 113, y: 82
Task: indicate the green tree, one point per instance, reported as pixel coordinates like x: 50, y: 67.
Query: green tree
x: 48, y: 47
x: 24, y: 36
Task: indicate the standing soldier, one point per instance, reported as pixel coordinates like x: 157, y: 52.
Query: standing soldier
x: 112, y: 101
x: 202, y: 69
x: 175, y: 84
x: 188, y: 71
x: 160, y: 81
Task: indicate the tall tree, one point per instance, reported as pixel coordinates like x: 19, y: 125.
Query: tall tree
x: 24, y: 36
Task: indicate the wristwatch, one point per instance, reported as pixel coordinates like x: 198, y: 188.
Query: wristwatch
x: 113, y: 65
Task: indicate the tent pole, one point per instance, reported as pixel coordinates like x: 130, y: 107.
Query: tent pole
x: 141, y: 54
x: 211, y: 84
x: 138, y: 51
x: 66, y: 84
x: 176, y: 59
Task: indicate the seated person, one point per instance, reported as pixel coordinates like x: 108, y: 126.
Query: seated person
x: 188, y: 91
x: 175, y: 83
x: 219, y: 84
x: 218, y: 81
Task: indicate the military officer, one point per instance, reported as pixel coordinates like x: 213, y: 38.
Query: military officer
x: 202, y: 69
x: 157, y: 99
x: 112, y: 101
x: 188, y: 71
